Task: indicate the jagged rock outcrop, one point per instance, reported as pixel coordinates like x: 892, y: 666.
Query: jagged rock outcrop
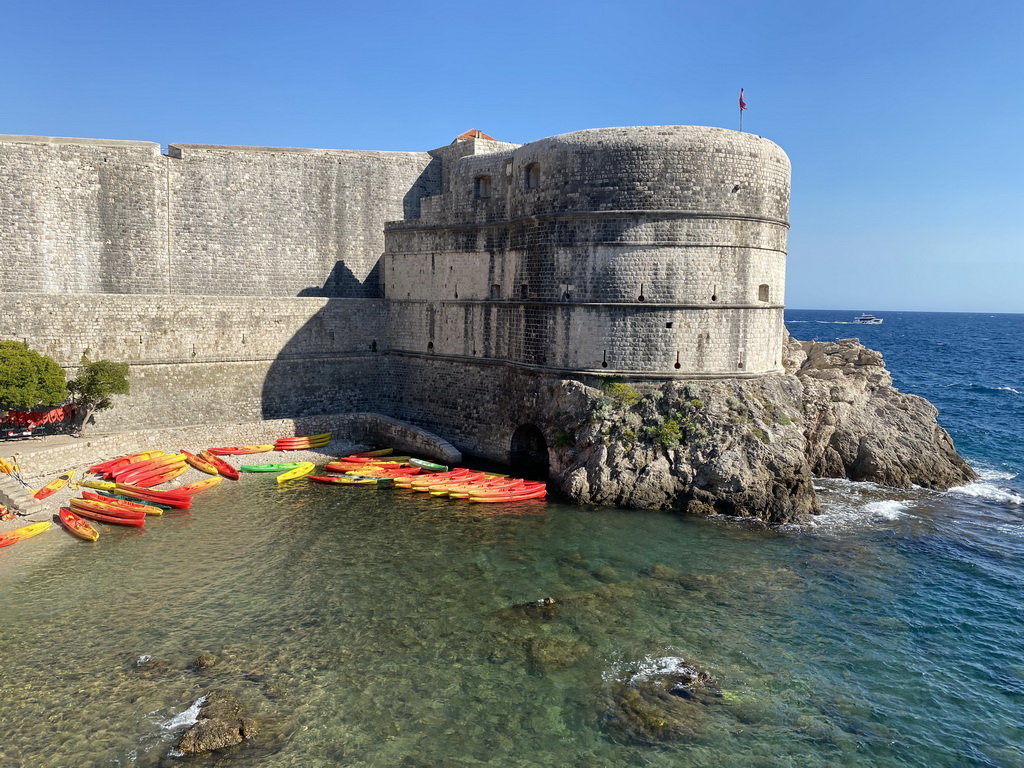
x: 731, y: 447
x: 749, y: 447
x: 859, y: 426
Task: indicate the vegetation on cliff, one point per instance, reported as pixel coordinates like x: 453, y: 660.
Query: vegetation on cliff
x: 749, y: 447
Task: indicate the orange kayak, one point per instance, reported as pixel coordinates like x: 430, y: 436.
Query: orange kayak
x: 199, y: 463
x: 199, y: 485
x: 80, y: 527
x: 240, y: 450
x: 222, y: 466
x: 20, y: 534
x: 133, y: 522
x: 54, y: 485
x: 131, y: 506
x: 104, y: 508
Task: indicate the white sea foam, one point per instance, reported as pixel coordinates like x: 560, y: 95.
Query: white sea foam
x: 994, y: 474
x: 650, y: 666
x: 1010, y: 389
x: 143, y: 659
x: 1011, y: 529
x: 886, y: 510
x: 987, y: 492
x: 183, y: 719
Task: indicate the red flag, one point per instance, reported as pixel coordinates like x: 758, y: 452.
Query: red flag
x: 743, y: 104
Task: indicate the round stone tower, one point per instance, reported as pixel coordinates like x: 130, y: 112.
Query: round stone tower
x: 646, y: 251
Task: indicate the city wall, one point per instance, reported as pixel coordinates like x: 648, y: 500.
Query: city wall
x: 448, y: 288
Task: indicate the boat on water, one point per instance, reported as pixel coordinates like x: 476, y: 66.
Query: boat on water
x: 866, y: 319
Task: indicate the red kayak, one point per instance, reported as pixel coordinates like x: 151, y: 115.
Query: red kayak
x: 80, y: 527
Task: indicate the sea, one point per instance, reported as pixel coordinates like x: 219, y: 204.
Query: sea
x: 364, y: 626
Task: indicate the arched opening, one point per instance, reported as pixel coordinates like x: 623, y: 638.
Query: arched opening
x: 531, y: 176
x: 528, y: 455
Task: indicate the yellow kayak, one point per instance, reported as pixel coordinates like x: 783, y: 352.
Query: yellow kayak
x: 19, y: 534
x: 55, y: 485
x: 304, y: 468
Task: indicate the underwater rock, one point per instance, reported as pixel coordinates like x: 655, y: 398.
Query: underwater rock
x: 547, y: 654
x: 208, y: 735
x: 205, y: 661
x: 663, y: 700
x: 606, y: 574
x: 544, y: 609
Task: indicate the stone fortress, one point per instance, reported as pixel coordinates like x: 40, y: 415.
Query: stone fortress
x: 445, y: 288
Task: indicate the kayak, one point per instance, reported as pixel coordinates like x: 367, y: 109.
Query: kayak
x: 378, y: 452
x: 166, y: 498
x: 134, y: 522
x: 304, y: 468
x: 105, y: 466
x: 539, y: 493
x: 338, y: 480
x: 147, y: 468
x: 134, y: 506
x: 104, y: 508
x: 79, y: 526
x: 203, y: 465
x: 199, y: 485
x: 161, y: 476
x: 239, y: 450
x: 222, y: 466
x: 428, y: 465
x: 19, y: 534
x: 270, y: 467
x: 55, y: 485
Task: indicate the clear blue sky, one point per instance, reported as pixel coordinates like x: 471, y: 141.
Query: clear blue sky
x: 902, y: 119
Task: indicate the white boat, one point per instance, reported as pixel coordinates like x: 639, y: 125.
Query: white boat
x: 866, y: 319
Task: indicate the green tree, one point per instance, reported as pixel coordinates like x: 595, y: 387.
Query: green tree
x: 28, y: 379
x: 97, y: 382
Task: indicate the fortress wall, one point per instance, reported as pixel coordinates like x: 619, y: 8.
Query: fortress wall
x: 92, y: 216
x: 286, y: 222
x: 82, y: 216
x: 637, y: 339
x: 474, y: 405
x: 202, y: 358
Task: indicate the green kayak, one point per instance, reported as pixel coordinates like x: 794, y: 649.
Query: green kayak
x: 270, y: 467
x: 428, y: 465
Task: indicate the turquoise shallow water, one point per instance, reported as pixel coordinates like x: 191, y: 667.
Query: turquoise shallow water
x: 366, y: 627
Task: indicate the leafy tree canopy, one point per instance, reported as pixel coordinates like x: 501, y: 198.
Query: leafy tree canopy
x: 97, y: 382
x: 28, y: 379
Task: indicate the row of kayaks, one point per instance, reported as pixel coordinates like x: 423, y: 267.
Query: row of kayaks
x: 404, y: 472
x: 124, y: 494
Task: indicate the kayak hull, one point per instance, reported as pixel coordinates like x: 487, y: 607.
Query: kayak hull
x: 77, y: 526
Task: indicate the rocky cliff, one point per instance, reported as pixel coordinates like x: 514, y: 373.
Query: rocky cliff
x: 749, y: 447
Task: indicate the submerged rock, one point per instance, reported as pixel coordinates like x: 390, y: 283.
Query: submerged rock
x: 664, y: 700
x: 549, y: 654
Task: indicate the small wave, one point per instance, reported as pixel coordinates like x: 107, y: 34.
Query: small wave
x: 825, y: 322
x: 183, y: 719
x: 987, y: 492
x: 1011, y: 530
x: 994, y: 474
x: 650, y: 666
x: 886, y: 510
x: 1010, y: 389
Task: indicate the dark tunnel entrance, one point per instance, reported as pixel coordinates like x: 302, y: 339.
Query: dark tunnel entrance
x: 528, y: 455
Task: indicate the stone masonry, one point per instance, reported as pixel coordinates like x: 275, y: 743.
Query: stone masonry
x: 447, y: 288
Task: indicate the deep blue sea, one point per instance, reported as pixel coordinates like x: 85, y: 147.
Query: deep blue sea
x: 370, y: 627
